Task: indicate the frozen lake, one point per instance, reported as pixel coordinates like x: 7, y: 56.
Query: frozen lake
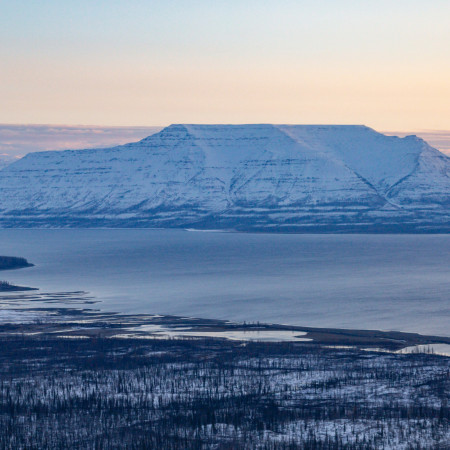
x: 389, y: 282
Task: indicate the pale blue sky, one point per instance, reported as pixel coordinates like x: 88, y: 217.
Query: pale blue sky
x: 382, y: 63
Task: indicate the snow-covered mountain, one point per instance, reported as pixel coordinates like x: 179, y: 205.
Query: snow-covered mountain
x: 249, y: 177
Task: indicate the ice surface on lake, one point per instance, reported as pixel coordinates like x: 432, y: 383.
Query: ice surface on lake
x: 390, y: 282
x: 239, y: 335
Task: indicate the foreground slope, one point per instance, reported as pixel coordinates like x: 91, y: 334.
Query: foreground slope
x: 199, y: 394
x: 251, y: 177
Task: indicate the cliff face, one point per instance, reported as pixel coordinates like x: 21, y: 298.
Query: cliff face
x: 252, y: 177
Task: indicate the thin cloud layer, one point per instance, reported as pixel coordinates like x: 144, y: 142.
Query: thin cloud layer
x: 18, y: 140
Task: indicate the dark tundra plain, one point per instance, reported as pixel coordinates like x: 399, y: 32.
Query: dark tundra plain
x: 105, y: 393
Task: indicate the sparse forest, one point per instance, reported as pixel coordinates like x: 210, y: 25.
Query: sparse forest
x: 190, y: 394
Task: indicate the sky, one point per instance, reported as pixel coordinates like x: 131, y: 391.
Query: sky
x: 385, y: 64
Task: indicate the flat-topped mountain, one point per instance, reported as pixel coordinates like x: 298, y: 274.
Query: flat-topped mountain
x: 247, y: 177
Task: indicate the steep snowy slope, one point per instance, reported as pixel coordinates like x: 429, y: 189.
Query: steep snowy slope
x: 274, y: 177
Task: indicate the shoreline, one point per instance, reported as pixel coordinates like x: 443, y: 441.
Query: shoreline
x: 86, y: 323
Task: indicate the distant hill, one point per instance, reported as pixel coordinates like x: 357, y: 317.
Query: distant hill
x: 295, y: 178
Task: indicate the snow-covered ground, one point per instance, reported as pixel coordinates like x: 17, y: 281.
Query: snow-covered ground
x: 198, y: 394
